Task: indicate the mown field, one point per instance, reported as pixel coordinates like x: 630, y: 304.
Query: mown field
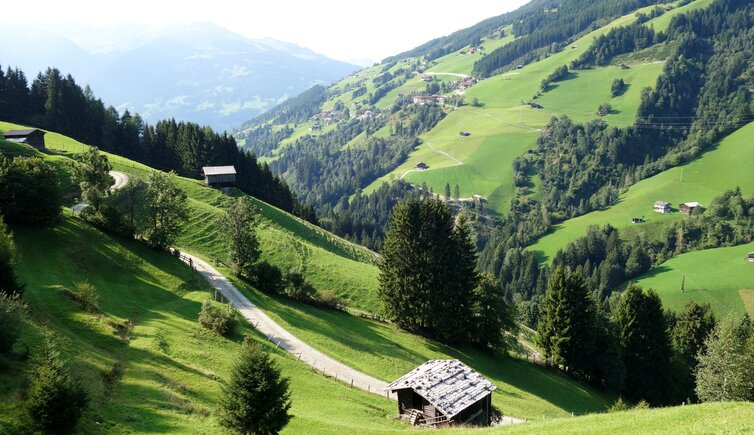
x: 724, y: 166
x: 720, y: 277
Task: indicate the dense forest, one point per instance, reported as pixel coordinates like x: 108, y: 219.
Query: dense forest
x: 57, y: 103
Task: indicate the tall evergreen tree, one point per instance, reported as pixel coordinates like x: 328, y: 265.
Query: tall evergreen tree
x: 494, y: 321
x: 567, y: 328
x: 256, y: 399
x: 427, y: 273
x: 691, y: 329
x: 9, y: 282
x: 645, y: 347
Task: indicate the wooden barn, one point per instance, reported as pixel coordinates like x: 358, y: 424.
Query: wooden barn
x: 219, y: 176
x: 422, y: 166
x: 662, y: 207
x: 443, y: 393
x: 33, y: 136
x: 688, y: 207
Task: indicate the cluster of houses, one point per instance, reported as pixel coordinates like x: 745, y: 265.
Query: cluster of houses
x: 475, y: 49
x: 663, y: 207
x: 423, y: 100
x: 463, y: 84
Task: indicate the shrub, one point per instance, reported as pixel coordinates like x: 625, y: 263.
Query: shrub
x: 267, y: 277
x: 30, y: 190
x: 55, y: 399
x: 86, y: 295
x: 12, y: 313
x: 8, y: 279
x: 330, y: 299
x: 619, y: 405
x: 217, y: 318
x: 109, y: 219
x: 298, y: 288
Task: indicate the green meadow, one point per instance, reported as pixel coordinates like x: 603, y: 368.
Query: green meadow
x: 720, y: 277
x: 724, y: 166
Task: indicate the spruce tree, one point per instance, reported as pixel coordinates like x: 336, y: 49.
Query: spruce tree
x: 9, y: 282
x: 494, y: 321
x: 645, y: 347
x: 256, y: 399
x: 691, y: 329
x: 447, y: 191
x: 567, y: 323
x: 55, y: 400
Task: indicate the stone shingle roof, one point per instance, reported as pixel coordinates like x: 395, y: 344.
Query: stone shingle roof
x: 449, y: 385
x: 219, y: 170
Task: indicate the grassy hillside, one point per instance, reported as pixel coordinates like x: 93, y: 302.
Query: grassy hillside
x: 328, y: 261
x: 720, y: 277
x: 503, y: 129
x: 724, y: 166
x: 691, y: 419
x: 166, y: 377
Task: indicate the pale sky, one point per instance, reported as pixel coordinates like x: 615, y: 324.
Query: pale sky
x: 341, y: 29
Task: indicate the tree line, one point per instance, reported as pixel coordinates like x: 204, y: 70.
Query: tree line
x: 57, y: 103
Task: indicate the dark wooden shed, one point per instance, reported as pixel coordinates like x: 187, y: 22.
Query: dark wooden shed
x: 219, y: 176
x: 33, y: 136
x: 443, y: 393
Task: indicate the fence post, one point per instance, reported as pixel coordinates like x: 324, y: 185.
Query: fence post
x: 351, y: 383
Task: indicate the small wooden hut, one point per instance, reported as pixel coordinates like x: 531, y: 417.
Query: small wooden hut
x: 688, y: 207
x: 33, y: 136
x: 443, y: 393
x: 219, y: 176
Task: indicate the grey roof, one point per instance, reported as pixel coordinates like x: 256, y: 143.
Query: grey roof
x: 219, y: 170
x: 450, y: 385
x: 21, y: 133
x: 692, y: 204
x: 661, y: 204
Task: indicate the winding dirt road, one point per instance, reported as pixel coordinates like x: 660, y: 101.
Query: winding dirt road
x: 120, y: 180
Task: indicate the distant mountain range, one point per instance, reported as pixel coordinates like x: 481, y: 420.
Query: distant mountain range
x: 199, y: 72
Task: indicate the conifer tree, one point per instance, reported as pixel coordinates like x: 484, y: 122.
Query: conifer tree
x: 691, y: 329
x: 494, y: 321
x: 725, y: 366
x: 645, y: 347
x: 567, y: 323
x: 9, y: 283
x: 256, y: 399
x: 447, y: 191
x: 55, y: 399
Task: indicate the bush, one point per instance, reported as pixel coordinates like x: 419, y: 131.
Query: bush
x: 86, y: 295
x: 12, y: 314
x: 217, y: 318
x: 55, y: 399
x: 8, y: 280
x: 30, y: 190
x: 330, y: 299
x: 267, y: 277
x: 298, y: 288
x: 109, y: 219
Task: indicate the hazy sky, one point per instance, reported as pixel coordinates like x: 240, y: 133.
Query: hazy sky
x: 345, y: 30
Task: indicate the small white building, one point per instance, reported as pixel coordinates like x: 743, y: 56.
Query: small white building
x: 662, y: 207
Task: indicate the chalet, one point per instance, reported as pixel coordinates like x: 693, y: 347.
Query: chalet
x: 637, y: 220
x: 421, y: 166
x: 624, y: 66
x: 688, y: 207
x: 750, y: 257
x: 464, y: 133
x: 33, y: 136
x: 662, y: 207
x: 367, y: 115
x: 219, y: 176
x: 466, y: 83
x: 427, y: 99
x: 315, y: 127
x: 443, y: 393
x: 534, y: 105
x: 479, y: 199
x: 425, y: 78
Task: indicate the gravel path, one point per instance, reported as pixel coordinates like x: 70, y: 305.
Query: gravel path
x: 278, y: 335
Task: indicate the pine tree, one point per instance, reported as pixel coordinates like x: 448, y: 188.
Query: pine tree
x: 645, y: 346
x: 725, y: 371
x: 55, y: 399
x: 447, y: 191
x: 567, y: 323
x: 9, y: 283
x: 456, y: 193
x: 494, y: 321
x: 691, y: 329
x: 238, y: 223
x: 256, y: 399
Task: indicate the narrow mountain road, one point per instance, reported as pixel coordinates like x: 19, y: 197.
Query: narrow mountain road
x: 282, y: 338
x: 458, y: 162
x: 463, y: 76
x: 120, y: 181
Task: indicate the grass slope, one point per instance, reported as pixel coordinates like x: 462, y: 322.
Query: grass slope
x: 720, y: 277
x: 502, y: 129
x: 166, y: 378
x: 724, y: 166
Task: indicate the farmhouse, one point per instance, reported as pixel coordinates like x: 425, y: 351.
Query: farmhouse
x: 637, y: 220
x: 750, y: 257
x: 427, y: 99
x: 33, y: 136
x: 425, y: 78
x: 421, y: 166
x: 466, y: 83
x: 443, y: 393
x: 219, y: 176
x: 688, y: 207
x: 662, y: 207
